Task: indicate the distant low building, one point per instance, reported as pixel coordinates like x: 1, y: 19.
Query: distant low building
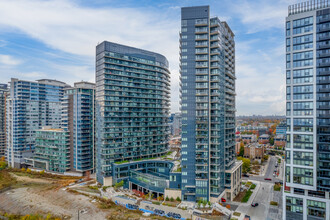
x: 280, y: 140
x: 249, y: 138
x: 263, y: 139
x: 281, y: 129
x: 254, y: 151
x: 259, y: 130
x: 237, y: 147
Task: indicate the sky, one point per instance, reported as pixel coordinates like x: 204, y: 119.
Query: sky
x: 56, y: 39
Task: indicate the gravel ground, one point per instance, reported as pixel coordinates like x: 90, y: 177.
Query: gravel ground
x: 40, y: 199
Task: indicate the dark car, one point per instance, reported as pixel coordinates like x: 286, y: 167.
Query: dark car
x: 255, y: 204
x: 245, y: 175
x: 270, y: 179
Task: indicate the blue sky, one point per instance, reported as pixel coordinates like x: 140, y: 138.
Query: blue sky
x: 56, y: 39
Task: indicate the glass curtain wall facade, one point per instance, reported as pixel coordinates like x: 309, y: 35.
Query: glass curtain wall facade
x: 31, y: 106
x: 308, y: 112
x: 78, y: 117
x: 52, y: 150
x: 3, y: 97
x: 207, y: 69
x: 133, y: 100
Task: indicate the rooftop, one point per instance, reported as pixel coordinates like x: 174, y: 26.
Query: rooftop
x: 307, y: 6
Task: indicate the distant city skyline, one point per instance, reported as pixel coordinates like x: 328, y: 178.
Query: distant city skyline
x: 62, y: 46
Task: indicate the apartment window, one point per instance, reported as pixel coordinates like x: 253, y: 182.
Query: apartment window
x: 184, y: 57
x: 303, y: 141
x: 316, y: 208
x: 184, y: 50
x: 184, y: 173
x: 288, y: 24
x: 184, y: 146
x: 184, y: 29
x: 184, y: 180
x: 303, y: 158
x: 294, y: 204
x: 303, y: 176
x: 287, y: 173
x: 184, y: 43
x: 184, y: 23
x: 303, y: 124
x: 302, y: 22
x: 184, y: 37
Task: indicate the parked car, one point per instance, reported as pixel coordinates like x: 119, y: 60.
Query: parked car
x: 245, y: 175
x: 269, y: 179
x: 255, y: 204
x: 223, y: 200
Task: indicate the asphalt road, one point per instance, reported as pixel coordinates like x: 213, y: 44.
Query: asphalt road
x: 269, y: 172
x: 262, y: 197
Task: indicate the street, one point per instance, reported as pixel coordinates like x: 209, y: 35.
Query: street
x: 269, y: 172
x: 263, y: 194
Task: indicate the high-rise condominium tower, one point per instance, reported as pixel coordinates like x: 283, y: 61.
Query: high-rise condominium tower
x: 30, y: 106
x: 78, y: 117
x: 3, y: 97
x: 133, y: 100
x: 207, y: 66
x: 307, y: 168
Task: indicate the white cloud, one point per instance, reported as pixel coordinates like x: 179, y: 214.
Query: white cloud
x: 33, y: 75
x: 9, y: 60
x: 260, y: 15
x: 68, y: 27
x: 71, y: 28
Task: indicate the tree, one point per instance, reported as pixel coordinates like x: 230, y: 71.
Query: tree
x: 120, y: 184
x: 241, y: 150
x: 167, y: 199
x: 178, y: 199
x: 271, y: 141
x: 246, y: 164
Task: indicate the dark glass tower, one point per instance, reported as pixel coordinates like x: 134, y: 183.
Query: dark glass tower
x: 133, y: 100
x: 207, y: 67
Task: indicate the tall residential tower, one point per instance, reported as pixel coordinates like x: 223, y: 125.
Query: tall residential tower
x: 207, y: 66
x: 78, y: 117
x: 133, y: 100
x: 30, y: 106
x: 3, y: 97
x: 307, y: 180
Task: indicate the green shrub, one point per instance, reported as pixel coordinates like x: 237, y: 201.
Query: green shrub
x: 247, y: 196
x: 120, y: 184
x: 167, y: 199
x: 172, y: 200
x: 178, y: 199
x: 253, y: 186
x: 273, y: 203
x: 277, y: 187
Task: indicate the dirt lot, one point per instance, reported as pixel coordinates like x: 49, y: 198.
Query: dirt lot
x: 40, y: 196
x: 30, y: 194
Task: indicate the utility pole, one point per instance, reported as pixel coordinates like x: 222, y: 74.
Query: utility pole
x: 78, y: 214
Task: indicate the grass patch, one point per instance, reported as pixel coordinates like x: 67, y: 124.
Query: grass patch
x: 248, y: 183
x: 156, y: 203
x: 247, y: 196
x: 29, y: 217
x: 6, y: 180
x: 243, y: 183
x: 237, y: 214
x: 273, y: 203
x: 253, y: 186
x: 277, y: 187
